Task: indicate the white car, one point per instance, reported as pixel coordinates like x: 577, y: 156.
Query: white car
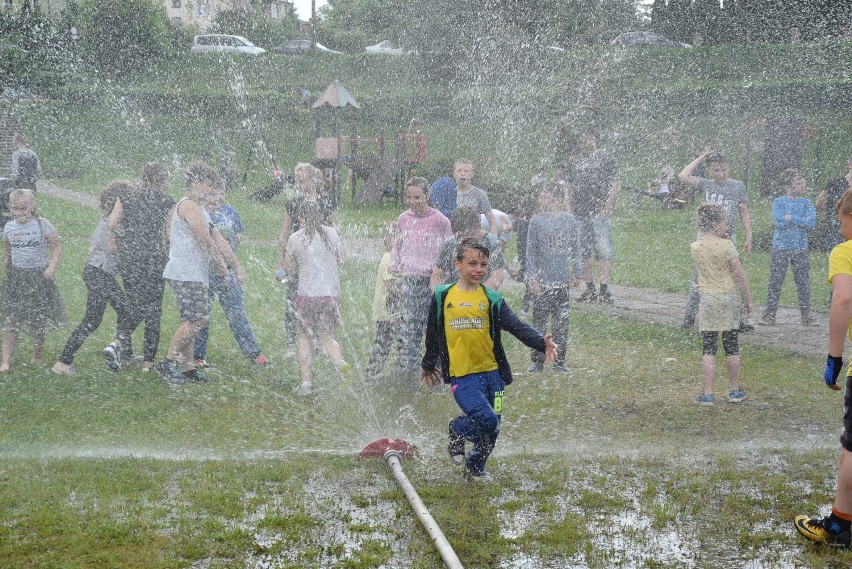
x: 222, y: 43
x: 295, y: 47
x: 387, y: 47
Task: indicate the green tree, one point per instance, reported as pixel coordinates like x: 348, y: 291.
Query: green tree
x: 255, y: 24
x: 35, y: 50
x: 122, y: 36
x: 351, y: 25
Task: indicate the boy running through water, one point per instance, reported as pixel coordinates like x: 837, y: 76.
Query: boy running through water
x: 834, y: 529
x: 463, y: 345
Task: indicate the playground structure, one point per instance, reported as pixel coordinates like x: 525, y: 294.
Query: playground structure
x: 221, y: 143
x: 383, y: 167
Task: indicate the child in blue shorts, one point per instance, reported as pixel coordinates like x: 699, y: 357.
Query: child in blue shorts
x: 463, y: 346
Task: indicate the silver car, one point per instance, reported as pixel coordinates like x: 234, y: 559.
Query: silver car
x: 223, y: 43
x: 293, y: 47
x: 645, y: 39
x: 387, y: 47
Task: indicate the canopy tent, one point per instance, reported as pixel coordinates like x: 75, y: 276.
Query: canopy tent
x: 335, y: 97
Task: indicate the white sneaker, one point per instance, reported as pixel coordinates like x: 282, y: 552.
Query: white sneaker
x: 112, y: 357
x: 63, y: 369
x: 305, y: 389
x: 290, y: 352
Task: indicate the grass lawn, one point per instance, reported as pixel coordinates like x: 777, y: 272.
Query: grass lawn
x: 610, y: 466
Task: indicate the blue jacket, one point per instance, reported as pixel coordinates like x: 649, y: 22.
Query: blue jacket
x: 442, y: 195
x: 500, y: 317
x: 792, y: 234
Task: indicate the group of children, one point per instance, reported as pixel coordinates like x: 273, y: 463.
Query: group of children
x: 431, y: 281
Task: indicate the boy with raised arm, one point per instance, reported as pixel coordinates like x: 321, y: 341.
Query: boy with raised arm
x: 463, y: 345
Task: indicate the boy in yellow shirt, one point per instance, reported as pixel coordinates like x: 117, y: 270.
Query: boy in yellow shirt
x: 463, y: 346
x: 834, y: 529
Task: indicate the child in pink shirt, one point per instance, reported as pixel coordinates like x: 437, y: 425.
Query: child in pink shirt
x: 421, y: 231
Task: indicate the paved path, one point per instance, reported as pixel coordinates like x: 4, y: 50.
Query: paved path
x: 642, y: 304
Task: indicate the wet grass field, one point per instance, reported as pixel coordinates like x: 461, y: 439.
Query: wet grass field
x: 610, y: 466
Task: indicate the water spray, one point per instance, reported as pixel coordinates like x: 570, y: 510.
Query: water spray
x: 392, y: 451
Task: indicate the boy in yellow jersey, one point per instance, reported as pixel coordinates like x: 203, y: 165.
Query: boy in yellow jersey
x: 834, y: 529
x: 463, y: 346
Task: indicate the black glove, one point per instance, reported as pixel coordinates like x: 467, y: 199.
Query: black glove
x: 833, y: 366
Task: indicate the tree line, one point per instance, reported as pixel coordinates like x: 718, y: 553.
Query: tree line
x: 744, y: 21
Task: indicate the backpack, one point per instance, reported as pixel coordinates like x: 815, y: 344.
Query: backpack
x: 27, y: 171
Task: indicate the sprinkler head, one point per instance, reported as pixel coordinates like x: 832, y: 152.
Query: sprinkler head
x: 382, y: 447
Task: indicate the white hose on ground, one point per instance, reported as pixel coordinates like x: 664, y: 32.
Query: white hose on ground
x: 451, y: 560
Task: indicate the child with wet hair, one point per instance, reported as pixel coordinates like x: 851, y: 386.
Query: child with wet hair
x: 421, y: 231
x: 793, y: 215
x: 309, y: 184
x: 386, y: 307
x: 314, y: 254
x: 464, y: 347
x: 102, y: 288
x: 725, y: 297
x: 30, y: 297
x: 834, y: 529
x: 465, y: 222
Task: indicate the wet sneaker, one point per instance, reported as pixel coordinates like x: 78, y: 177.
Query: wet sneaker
x: 807, y: 319
x: 112, y: 357
x: 195, y: 375
x: 481, y: 478
x: 260, y: 360
x: 736, y: 396
x: 345, y: 369
x: 746, y: 325
x: 705, y: 399
x: 63, y: 369
x: 455, y: 447
x: 305, y: 389
x: 590, y: 295
x: 768, y: 319
x: 535, y: 368
x: 132, y: 360
x: 605, y: 297
x: 202, y: 363
x: 816, y: 530
x: 170, y: 372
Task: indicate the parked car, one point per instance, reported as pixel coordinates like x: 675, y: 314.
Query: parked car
x: 222, y: 43
x: 387, y: 47
x: 300, y: 46
x: 644, y: 39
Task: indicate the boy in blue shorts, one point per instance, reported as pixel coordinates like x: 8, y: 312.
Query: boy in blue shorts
x: 834, y: 529
x: 463, y: 346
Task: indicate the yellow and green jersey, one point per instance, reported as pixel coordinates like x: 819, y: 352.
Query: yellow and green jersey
x: 467, y: 330
x: 840, y: 263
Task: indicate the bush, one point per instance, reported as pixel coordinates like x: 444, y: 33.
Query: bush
x: 123, y: 36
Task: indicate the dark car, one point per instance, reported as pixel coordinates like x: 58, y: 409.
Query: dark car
x: 292, y: 47
x: 644, y: 39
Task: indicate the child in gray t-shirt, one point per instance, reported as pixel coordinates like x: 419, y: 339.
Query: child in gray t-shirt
x: 551, y: 239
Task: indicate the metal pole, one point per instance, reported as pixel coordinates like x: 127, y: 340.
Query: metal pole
x: 451, y: 560
x: 313, y: 26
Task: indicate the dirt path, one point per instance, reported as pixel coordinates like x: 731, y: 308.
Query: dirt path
x: 642, y: 304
